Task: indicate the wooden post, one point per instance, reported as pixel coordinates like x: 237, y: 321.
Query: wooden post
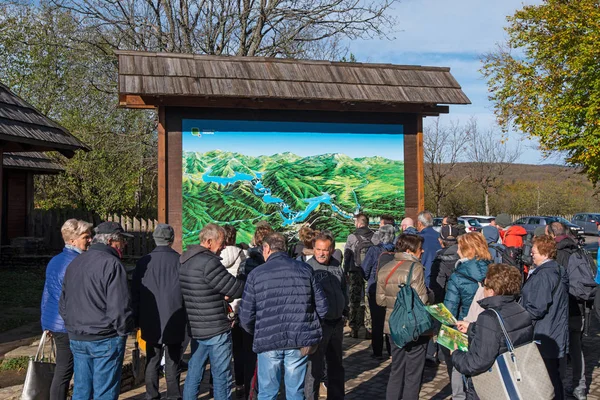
x: 162, y: 166
x: 420, y: 164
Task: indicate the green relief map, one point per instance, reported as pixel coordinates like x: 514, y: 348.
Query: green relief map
x: 284, y: 188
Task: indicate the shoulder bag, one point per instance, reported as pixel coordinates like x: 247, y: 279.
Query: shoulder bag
x: 40, y: 372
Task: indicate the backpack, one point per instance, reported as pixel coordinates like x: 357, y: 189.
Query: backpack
x: 409, y: 319
x: 581, y: 270
x: 360, y: 251
x: 505, y: 255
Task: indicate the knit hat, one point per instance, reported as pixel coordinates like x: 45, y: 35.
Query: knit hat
x: 503, y: 220
x: 449, y: 233
x: 163, y: 235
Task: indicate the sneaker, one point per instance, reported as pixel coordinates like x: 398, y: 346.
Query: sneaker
x: 578, y: 393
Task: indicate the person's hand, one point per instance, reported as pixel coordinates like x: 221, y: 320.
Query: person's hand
x: 463, y: 326
x: 226, y: 298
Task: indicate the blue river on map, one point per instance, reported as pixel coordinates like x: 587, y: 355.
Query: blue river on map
x: 288, y: 215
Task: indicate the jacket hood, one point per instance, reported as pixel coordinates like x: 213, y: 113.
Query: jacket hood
x: 491, y: 234
x: 474, y: 268
x: 565, y: 243
x: 365, y: 231
x: 194, y: 251
x: 516, y: 230
x: 449, y: 253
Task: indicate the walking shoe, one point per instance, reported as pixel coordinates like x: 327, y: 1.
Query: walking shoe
x: 578, y: 393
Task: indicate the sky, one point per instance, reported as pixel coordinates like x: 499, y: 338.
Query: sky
x: 301, y: 138
x: 452, y: 33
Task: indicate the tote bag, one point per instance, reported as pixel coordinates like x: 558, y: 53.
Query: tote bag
x: 518, y: 374
x: 39, y: 373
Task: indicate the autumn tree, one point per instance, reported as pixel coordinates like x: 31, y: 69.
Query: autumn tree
x: 545, y: 80
x: 443, y: 147
x: 489, y: 158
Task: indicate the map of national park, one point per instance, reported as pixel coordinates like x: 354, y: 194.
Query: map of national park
x: 286, y: 189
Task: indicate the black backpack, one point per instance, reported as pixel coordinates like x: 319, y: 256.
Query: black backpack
x: 582, y: 270
x: 360, y: 251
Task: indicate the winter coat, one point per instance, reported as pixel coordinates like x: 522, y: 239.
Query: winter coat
x: 332, y: 280
x: 513, y: 236
x: 282, y: 304
x: 545, y: 296
x: 55, y: 272
x: 253, y: 260
x: 486, y: 340
x: 431, y: 245
x: 441, y: 270
x: 232, y: 257
x: 371, y: 262
x: 156, y: 297
x: 350, y: 246
x: 204, y: 284
x: 565, y: 247
x: 460, y: 289
x: 95, y: 302
x: 387, y: 289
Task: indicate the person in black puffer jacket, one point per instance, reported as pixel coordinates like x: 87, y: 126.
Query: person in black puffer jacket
x: 206, y: 286
x: 486, y: 340
x: 444, y: 262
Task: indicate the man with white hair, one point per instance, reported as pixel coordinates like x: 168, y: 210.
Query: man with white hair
x: 95, y: 306
x: 206, y: 287
x: 408, y: 226
x: 431, y: 245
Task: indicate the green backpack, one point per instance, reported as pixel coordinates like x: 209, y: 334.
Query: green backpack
x: 409, y: 319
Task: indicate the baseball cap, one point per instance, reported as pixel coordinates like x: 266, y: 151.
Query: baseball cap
x: 163, y: 234
x: 449, y: 233
x: 111, y: 227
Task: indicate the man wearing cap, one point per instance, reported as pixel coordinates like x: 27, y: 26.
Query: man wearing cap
x: 158, y: 308
x: 95, y: 306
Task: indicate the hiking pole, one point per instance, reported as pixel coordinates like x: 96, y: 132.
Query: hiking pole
x: 586, y: 321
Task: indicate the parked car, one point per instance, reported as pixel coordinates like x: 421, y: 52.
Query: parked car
x: 437, y: 224
x: 532, y: 222
x: 484, y: 220
x: 590, y: 222
x: 471, y: 224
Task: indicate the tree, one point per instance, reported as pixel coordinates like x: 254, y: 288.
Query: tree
x: 272, y: 28
x: 443, y: 147
x: 489, y: 158
x: 546, y: 82
x: 49, y: 64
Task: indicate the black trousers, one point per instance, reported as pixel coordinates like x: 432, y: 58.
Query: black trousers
x: 249, y: 362
x: 330, y: 348
x: 407, y: 370
x: 154, y: 353
x: 553, y: 367
x: 237, y: 339
x: 64, y: 367
x: 378, y: 322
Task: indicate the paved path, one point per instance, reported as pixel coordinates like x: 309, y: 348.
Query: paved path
x: 366, y: 377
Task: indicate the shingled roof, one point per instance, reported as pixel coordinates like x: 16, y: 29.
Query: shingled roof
x: 156, y: 76
x: 32, y: 161
x: 23, y: 128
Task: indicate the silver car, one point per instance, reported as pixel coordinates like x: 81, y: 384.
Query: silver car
x: 590, y: 222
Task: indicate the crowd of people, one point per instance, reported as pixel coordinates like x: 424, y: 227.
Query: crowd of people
x: 270, y: 309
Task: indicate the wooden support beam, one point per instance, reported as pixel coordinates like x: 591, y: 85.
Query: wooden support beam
x: 420, y: 165
x: 162, y: 167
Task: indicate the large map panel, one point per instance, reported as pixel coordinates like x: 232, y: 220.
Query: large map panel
x: 289, y: 173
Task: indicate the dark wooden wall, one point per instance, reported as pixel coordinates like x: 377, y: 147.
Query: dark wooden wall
x: 170, y: 150
x: 18, y: 186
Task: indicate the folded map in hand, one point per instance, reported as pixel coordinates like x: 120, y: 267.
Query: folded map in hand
x: 452, y: 339
x: 441, y: 313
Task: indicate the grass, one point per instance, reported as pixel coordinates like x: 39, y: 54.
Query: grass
x: 14, y: 364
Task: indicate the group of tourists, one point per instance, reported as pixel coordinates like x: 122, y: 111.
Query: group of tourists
x: 268, y: 311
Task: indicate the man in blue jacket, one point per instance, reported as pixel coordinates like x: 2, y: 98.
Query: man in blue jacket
x: 431, y: 245
x: 95, y: 306
x: 281, y: 306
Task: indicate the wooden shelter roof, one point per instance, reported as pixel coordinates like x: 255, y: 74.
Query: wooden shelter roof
x: 23, y: 128
x: 152, y: 79
x: 32, y: 161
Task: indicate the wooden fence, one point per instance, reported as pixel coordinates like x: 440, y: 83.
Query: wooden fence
x: 46, y: 224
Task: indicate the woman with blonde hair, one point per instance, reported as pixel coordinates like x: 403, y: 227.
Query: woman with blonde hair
x: 77, y: 235
x: 469, y: 272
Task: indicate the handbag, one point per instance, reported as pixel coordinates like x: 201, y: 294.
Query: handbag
x: 40, y: 373
x: 518, y: 374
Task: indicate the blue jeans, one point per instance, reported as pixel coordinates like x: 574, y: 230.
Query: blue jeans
x: 219, y: 350
x: 269, y: 374
x: 97, y: 368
